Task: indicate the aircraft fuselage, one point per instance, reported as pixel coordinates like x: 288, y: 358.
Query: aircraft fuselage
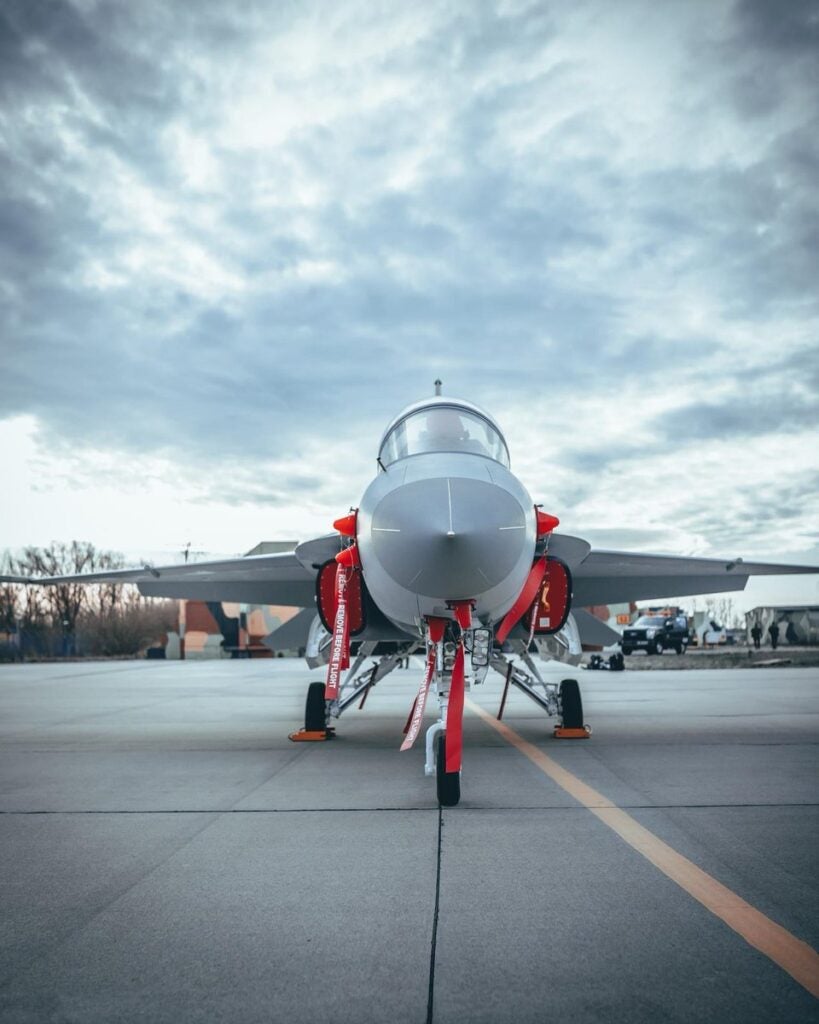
x: 435, y: 527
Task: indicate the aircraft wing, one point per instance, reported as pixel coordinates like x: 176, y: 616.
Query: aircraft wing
x: 609, y: 577
x: 255, y: 579
x: 288, y: 578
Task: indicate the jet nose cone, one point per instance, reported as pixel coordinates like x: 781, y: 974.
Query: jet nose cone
x: 451, y: 538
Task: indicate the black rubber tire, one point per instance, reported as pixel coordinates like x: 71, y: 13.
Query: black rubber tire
x: 571, y: 706
x: 448, y: 784
x: 680, y: 648
x: 315, y: 709
x: 626, y: 650
x: 658, y: 647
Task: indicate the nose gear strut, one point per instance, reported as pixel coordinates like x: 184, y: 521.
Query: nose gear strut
x: 446, y: 662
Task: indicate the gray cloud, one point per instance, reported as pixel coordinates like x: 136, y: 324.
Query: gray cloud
x: 745, y: 416
x: 792, y: 31
x: 758, y: 512
x: 175, y: 278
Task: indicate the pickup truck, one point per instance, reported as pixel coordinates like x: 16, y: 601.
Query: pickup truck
x: 655, y: 634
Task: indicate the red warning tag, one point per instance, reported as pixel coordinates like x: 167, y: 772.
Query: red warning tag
x: 524, y: 600
x: 340, y: 645
x: 420, y: 704
x: 436, y: 628
x: 455, y: 713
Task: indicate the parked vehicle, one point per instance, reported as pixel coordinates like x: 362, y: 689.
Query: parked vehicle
x: 655, y: 634
x: 712, y: 634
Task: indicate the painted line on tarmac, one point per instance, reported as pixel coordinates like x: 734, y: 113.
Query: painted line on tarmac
x: 799, y: 959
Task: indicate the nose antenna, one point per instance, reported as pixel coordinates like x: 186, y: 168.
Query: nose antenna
x: 437, y: 387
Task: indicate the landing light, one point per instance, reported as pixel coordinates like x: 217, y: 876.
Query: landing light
x: 481, y: 645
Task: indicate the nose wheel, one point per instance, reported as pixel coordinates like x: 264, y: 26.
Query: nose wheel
x: 448, y: 784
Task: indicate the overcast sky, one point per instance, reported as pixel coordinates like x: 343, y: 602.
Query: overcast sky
x: 236, y: 238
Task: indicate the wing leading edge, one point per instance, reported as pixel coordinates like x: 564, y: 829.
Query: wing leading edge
x: 288, y: 578
x: 253, y: 579
x: 608, y: 577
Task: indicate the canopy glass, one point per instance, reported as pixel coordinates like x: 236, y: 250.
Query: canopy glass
x: 443, y: 428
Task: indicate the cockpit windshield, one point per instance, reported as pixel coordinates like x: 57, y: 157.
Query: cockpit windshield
x: 443, y: 428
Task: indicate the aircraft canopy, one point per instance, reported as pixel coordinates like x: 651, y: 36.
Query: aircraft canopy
x: 440, y: 427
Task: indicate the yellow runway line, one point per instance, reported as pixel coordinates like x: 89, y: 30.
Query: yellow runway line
x: 791, y: 954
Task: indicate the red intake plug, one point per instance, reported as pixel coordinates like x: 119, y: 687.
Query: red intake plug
x: 346, y: 526
x: 545, y: 522
x: 349, y: 557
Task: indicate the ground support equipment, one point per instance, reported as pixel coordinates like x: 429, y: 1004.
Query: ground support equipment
x: 312, y: 735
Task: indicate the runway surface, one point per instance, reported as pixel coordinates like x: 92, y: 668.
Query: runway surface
x: 168, y: 855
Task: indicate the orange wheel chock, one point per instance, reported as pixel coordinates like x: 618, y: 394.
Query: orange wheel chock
x: 562, y: 733
x: 311, y: 735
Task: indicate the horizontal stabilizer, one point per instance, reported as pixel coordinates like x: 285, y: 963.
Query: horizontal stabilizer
x: 291, y: 635
x: 593, y: 631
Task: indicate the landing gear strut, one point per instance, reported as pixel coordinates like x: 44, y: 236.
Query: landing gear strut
x: 319, y: 712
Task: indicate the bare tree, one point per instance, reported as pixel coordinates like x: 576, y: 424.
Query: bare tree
x: 24, y: 607
x: 8, y: 595
x: 129, y: 628
x: 64, y: 600
x: 108, y: 596
x: 722, y: 611
x: 109, y: 618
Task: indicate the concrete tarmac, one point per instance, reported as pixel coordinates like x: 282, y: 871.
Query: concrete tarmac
x: 168, y: 855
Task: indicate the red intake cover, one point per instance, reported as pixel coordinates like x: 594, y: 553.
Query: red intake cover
x: 326, y: 598
x: 554, y: 600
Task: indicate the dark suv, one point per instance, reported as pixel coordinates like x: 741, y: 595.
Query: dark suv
x: 655, y: 634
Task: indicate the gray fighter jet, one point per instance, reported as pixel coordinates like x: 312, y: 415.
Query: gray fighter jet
x: 446, y: 556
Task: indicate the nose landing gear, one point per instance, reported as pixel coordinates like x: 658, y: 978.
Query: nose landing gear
x: 447, y: 784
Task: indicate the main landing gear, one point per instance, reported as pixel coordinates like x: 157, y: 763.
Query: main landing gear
x: 318, y: 712
x: 561, y: 700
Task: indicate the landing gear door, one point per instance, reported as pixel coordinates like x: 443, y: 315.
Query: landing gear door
x: 326, y: 598
x: 553, y: 603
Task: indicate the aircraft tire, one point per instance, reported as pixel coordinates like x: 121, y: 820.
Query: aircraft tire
x: 448, y: 784
x: 315, y: 710
x: 571, y: 705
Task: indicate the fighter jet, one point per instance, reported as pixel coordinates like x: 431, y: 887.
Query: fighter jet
x: 445, y: 555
